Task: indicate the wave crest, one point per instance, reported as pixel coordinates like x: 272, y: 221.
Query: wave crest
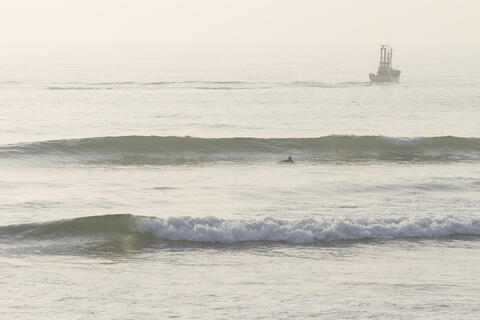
x: 306, y: 230
x: 216, y: 230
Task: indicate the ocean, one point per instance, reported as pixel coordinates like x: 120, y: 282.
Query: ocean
x: 152, y: 189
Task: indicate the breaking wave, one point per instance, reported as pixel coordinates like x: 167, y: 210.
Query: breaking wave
x: 157, y: 150
x: 216, y: 230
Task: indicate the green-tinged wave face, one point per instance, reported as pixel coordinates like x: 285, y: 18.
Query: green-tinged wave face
x: 105, y: 235
x: 94, y: 226
x: 156, y: 150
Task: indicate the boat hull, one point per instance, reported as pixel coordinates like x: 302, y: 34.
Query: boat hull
x: 387, y: 77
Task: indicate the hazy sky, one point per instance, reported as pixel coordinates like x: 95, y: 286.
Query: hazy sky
x: 121, y: 28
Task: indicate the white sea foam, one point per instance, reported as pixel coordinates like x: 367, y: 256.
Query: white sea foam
x: 212, y: 229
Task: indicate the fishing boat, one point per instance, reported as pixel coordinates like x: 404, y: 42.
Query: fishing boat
x: 385, y: 72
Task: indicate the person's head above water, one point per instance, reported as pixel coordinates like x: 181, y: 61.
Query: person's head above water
x: 288, y: 160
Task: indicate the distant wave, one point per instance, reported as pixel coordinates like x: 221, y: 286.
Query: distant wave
x: 212, y: 229
x: 171, y: 150
x: 10, y: 82
x: 316, y: 84
x: 203, y: 85
x: 119, y: 83
x: 78, y: 88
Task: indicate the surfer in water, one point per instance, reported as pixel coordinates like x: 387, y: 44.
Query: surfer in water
x: 288, y: 160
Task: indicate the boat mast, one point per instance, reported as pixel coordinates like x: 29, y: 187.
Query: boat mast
x: 381, y: 60
x: 385, y: 58
x: 391, y: 59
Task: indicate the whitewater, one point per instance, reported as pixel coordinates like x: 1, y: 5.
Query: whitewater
x: 154, y: 189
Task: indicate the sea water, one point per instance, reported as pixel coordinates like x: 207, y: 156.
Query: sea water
x: 152, y: 189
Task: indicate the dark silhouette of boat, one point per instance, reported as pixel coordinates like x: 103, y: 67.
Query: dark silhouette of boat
x: 385, y: 72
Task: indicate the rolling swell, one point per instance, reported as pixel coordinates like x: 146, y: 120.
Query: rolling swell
x: 171, y: 150
x: 216, y: 230
x: 204, y: 85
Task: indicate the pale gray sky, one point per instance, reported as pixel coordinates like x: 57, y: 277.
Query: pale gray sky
x: 88, y: 28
